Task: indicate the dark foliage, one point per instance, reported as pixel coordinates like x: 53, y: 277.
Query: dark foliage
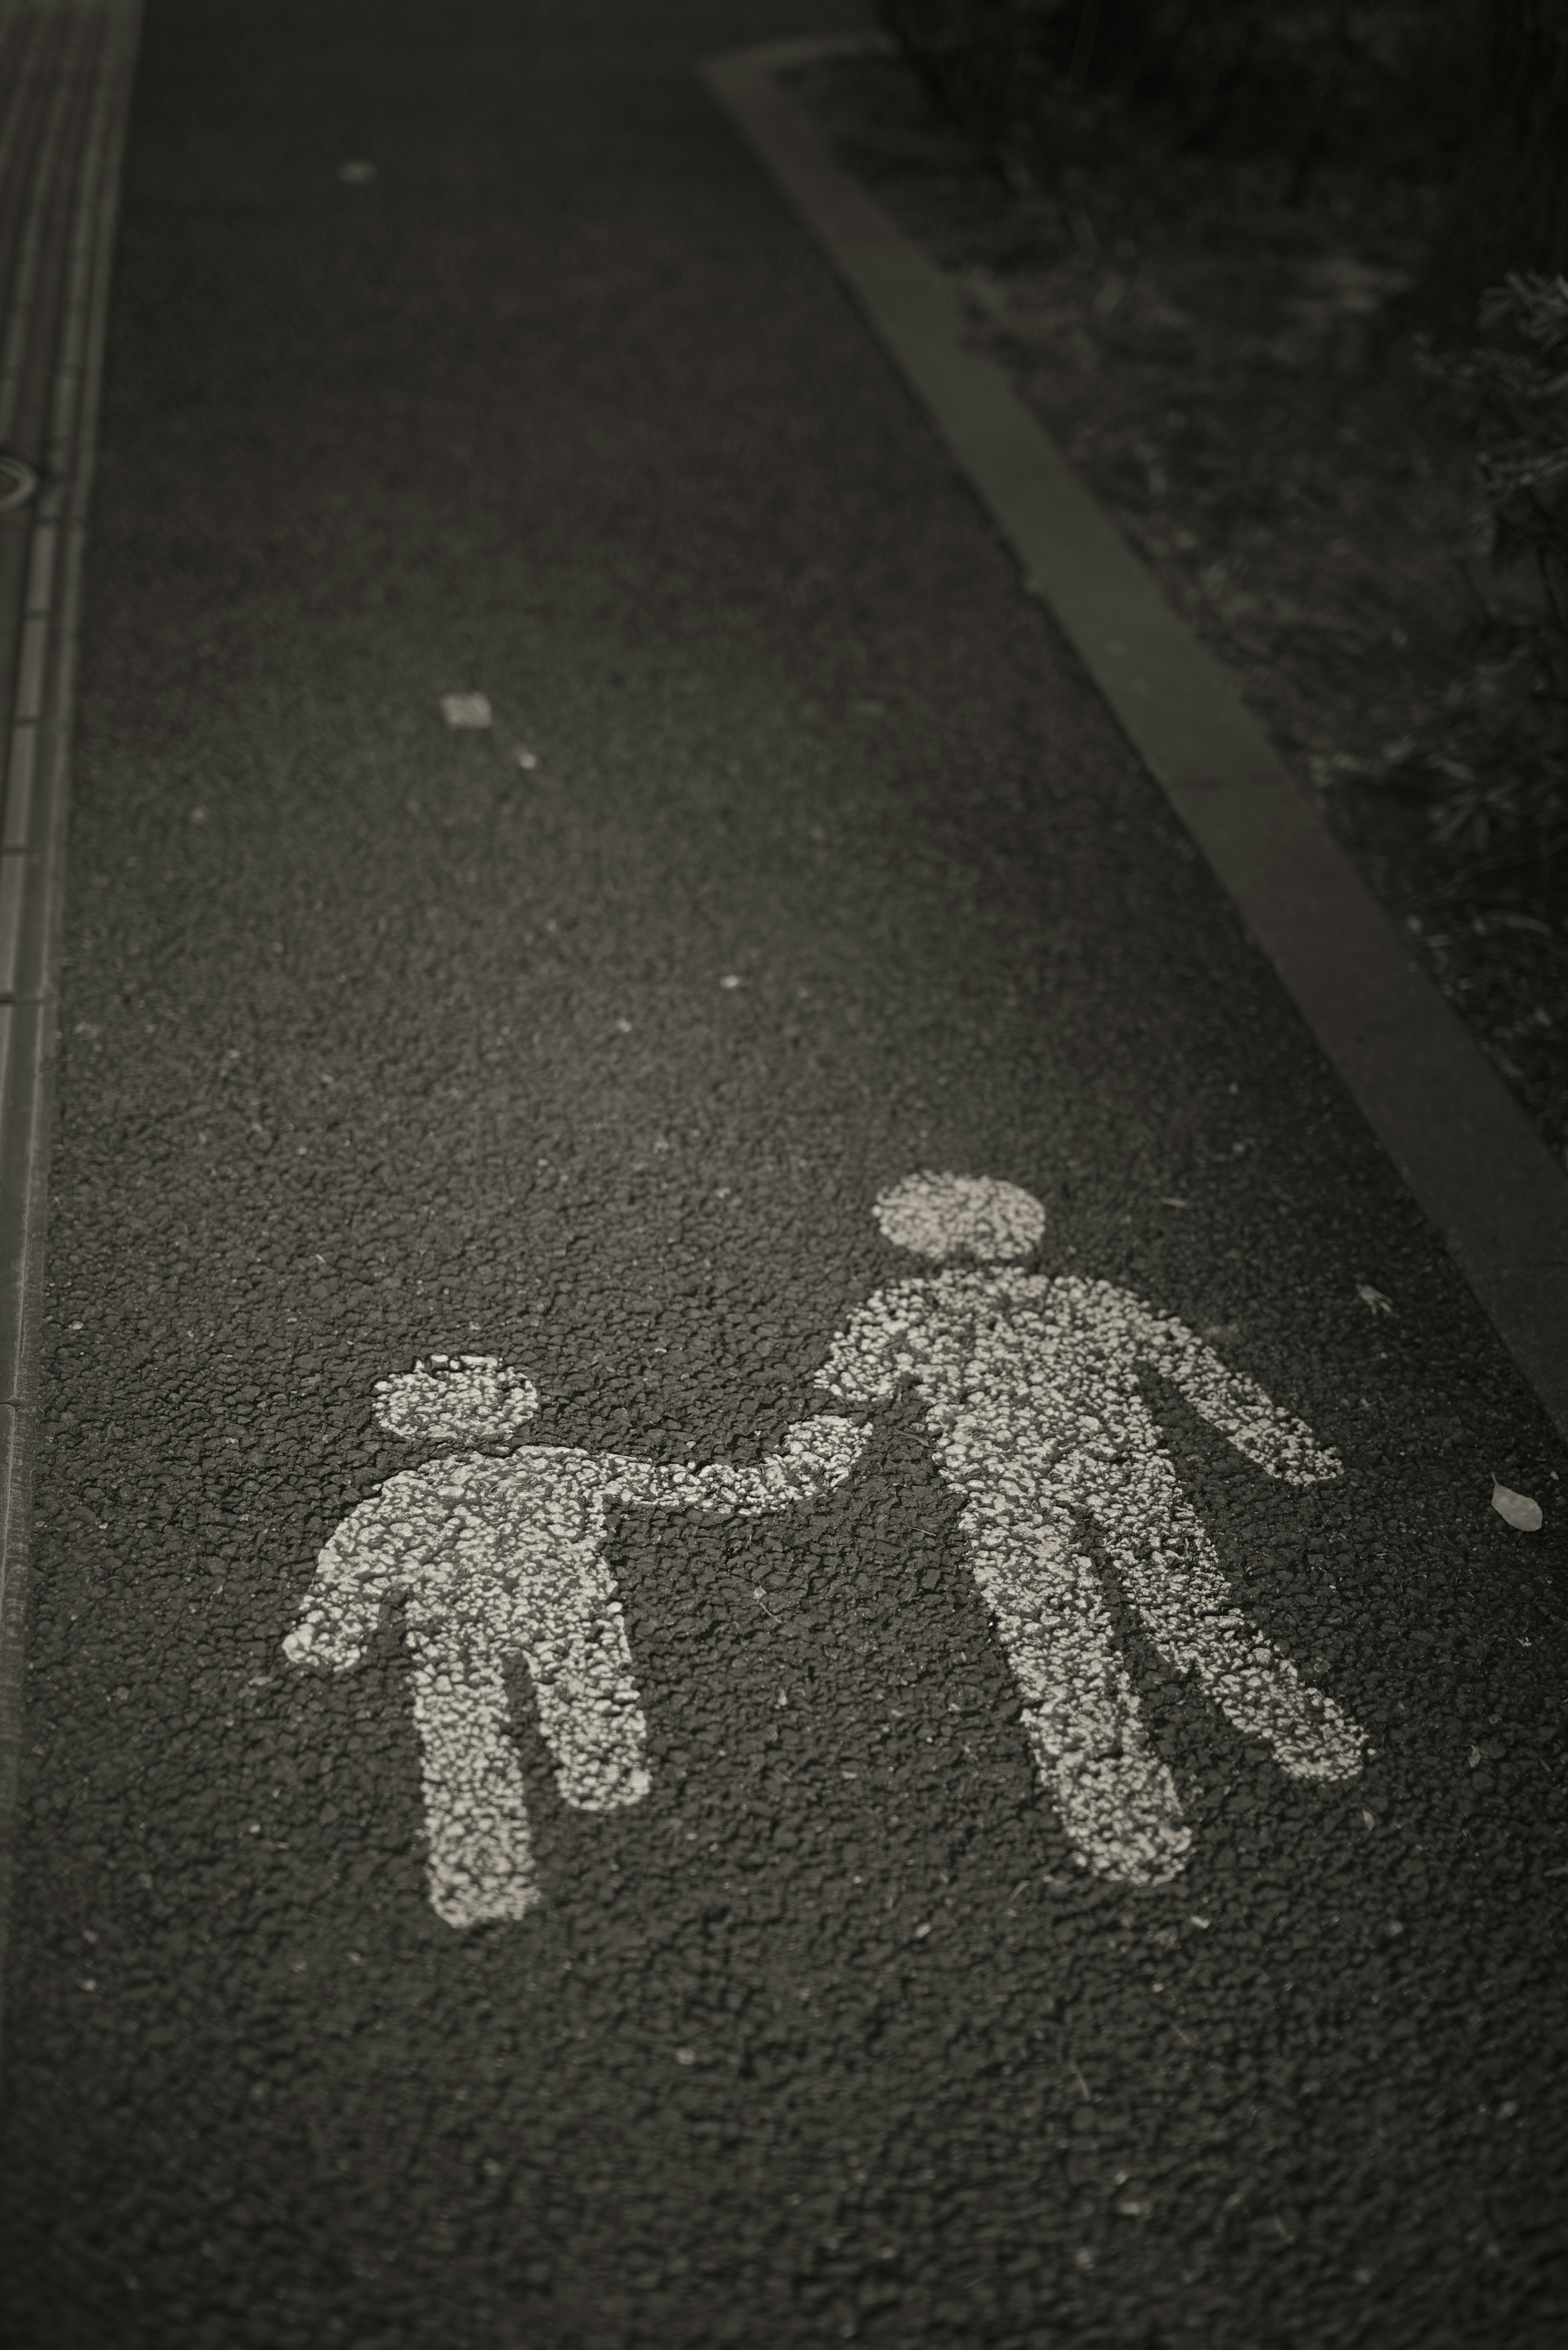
x: 1313, y: 80
x: 1509, y: 206
x: 1513, y: 387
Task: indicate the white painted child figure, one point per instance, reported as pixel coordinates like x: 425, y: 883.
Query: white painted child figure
x: 1038, y: 1422
x: 502, y: 1557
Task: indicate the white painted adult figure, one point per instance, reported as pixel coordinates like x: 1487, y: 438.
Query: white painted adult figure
x: 503, y: 1557
x: 1038, y: 1424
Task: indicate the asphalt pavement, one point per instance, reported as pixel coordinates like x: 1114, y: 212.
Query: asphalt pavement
x: 763, y: 1605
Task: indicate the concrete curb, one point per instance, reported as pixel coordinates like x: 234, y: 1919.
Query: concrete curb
x: 1459, y: 1140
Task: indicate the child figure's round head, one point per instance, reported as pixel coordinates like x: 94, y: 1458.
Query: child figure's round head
x: 946, y: 1216
x: 461, y: 1400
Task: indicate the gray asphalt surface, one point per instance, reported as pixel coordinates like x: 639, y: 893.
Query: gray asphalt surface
x: 376, y: 1043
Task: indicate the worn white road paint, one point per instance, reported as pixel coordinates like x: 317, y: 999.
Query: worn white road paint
x: 463, y: 1399
x: 500, y: 1558
x: 942, y: 1216
x: 1038, y: 1422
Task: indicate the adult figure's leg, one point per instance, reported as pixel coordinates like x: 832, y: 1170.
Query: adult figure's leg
x: 1172, y: 1575
x: 579, y: 1660
x: 1117, y: 1799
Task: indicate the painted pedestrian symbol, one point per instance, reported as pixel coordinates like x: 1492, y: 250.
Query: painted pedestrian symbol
x: 1037, y: 1422
x: 503, y: 1557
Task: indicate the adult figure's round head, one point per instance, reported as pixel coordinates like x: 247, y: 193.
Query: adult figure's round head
x: 948, y: 1217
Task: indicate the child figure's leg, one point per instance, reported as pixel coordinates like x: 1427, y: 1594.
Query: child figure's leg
x: 481, y: 1860
x: 538, y: 1583
x: 1117, y: 1799
x: 1174, y: 1579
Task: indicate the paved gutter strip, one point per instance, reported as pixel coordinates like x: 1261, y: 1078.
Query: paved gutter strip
x: 29, y: 138
x: 26, y: 63
x: 1461, y: 1143
x: 56, y: 287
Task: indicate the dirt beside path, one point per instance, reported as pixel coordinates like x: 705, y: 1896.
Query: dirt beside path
x: 1228, y: 372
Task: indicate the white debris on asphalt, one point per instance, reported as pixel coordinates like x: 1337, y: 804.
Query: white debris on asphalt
x: 466, y: 709
x: 1517, y: 1508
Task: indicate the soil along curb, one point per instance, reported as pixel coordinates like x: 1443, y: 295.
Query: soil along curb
x: 60, y: 153
x: 1463, y: 1146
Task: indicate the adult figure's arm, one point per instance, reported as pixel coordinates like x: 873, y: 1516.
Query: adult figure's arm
x: 1278, y: 1443
x: 816, y: 1455
x: 886, y: 1338
x: 376, y: 1550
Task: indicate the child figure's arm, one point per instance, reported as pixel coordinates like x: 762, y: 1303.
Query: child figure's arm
x: 1259, y: 1428
x: 376, y: 1548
